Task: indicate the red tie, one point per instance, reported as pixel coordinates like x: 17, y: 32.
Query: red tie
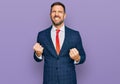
x: 57, y: 42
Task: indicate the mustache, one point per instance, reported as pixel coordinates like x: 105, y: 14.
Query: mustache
x: 56, y: 17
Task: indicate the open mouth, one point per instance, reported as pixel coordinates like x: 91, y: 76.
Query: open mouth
x: 56, y: 18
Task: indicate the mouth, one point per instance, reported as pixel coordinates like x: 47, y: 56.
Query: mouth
x: 57, y: 18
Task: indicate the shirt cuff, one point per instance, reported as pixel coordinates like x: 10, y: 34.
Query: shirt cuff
x: 76, y: 62
x: 39, y: 57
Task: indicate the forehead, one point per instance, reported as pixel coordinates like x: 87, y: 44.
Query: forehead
x: 57, y: 7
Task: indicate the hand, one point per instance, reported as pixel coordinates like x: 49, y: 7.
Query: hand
x: 74, y: 54
x: 38, y: 49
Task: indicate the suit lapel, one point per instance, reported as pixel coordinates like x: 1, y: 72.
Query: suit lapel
x: 65, y: 45
x: 48, y: 42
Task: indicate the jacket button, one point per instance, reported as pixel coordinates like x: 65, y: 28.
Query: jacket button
x: 56, y: 68
x: 57, y: 58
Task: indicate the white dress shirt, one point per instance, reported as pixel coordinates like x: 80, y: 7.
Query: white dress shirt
x: 61, y: 35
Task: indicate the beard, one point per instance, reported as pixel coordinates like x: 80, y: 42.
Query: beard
x: 57, y: 23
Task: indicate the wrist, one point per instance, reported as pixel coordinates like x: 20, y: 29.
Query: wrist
x: 77, y: 59
x: 38, y: 54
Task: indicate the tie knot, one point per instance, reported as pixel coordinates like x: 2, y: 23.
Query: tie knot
x: 57, y: 31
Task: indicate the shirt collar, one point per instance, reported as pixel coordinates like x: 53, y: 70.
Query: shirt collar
x: 61, y: 29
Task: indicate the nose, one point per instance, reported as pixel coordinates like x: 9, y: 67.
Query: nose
x: 56, y: 13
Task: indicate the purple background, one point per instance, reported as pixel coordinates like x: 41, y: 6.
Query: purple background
x: 98, y: 21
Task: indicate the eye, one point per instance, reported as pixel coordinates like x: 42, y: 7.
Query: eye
x: 53, y: 11
x: 60, y: 11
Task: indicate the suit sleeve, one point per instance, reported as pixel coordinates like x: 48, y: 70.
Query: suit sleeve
x: 80, y: 48
x: 35, y: 57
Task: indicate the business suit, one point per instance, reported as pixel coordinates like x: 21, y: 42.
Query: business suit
x: 60, y: 69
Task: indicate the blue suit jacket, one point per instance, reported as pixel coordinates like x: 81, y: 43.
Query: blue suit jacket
x: 60, y: 69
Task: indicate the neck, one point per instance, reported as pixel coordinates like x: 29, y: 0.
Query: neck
x: 59, y: 26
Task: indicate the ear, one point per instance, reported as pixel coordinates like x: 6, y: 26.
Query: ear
x: 65, y: 16
x: 50, y: 13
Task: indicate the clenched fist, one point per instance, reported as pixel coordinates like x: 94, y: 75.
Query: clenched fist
x: 38, y: 49
x: 74, y: 54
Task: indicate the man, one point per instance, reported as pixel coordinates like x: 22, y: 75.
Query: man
x: 60, y: 47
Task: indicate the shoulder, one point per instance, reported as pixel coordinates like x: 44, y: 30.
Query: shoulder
x: 46, y: 30
x: 71, y: 30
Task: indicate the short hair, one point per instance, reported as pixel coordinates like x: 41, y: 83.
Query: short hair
x: 58, y: 3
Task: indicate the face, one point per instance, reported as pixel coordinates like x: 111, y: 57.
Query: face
x: 57, y: 15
